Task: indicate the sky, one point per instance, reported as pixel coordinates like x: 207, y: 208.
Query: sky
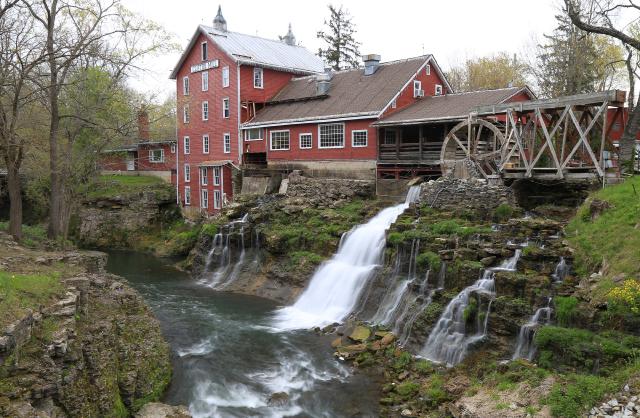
x: 452, y: 30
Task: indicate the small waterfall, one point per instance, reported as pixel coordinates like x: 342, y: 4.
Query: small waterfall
x: 225, y: 252
x: 442, y: 275
x: 510, y: 264
x: 525, y: 347
x: 336, y: 286
x: 404, y: 323
x: 561, y: 271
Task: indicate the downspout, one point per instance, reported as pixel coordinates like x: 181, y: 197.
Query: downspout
x: 239, y: 110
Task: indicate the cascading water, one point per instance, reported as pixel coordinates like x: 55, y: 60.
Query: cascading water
x: 230, y: 258
x: 448, y: 342
x: 337, y: 284
x: 561, y: 271
x: 525, y: 347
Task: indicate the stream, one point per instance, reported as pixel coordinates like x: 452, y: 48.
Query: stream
x: 228, y: 359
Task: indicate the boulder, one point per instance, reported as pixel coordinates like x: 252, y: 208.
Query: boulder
x: 278, y: 400
x: 160, y: 410
x: 360, y: 334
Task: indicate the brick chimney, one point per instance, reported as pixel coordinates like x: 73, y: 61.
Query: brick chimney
x: 143, y: 126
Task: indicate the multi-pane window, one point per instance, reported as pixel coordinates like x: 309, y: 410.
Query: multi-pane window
x: 216, y: 176
x: 156, y: 155
x: 185, y: 113
x: 205, y: 80
x: 205, y: 144
x: 225, y: 76
x: 205, y: 51
x: 204, y: 172
x: 204, y: 200
x: 258, y: 78
x: 225, y: 108
x: 185, y: 86
x: 254, y: 134
x: 306, y: 141
x: 417, y: 88
x: 438, y: 91
x: 389, y: 137
x: 187, y: 173
x: 279, y: 140
x: 359, y: 138
x: 227, y: 143
x: 331, y: 135
x: 187, y: 145
x: 187, y: 196
x: 217, y: 200
x: 205, y: 110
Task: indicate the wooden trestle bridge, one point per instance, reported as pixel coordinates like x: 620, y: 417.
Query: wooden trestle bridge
x: 565, y: 138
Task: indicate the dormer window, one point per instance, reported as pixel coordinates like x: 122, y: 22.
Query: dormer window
x: 205, y: 52
x: 417, y: 89
x: 258, y: 75
x: 438, y: 91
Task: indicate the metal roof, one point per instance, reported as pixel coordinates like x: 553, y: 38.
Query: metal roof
x: 261, y: 52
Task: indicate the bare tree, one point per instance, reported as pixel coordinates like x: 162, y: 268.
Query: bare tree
x: 604, y: 11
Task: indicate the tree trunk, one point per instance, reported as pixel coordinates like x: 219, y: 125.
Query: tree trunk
x: 15, y: 200
x: 628, y: 140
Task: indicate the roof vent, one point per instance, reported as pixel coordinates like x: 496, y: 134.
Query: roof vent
x: 323, y: 83
x: 371, y: 63
x: 219, y: 23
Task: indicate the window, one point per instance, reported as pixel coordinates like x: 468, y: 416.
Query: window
x: 187, y: 173
x: 438, y: 91
x: 225, y: 108
x: 417, y: 88
x: 306, y: 141
x: 225, y: 76
x: 205, y: 110
x: 173, y: 148
x: 255, y: 134
x: 156, y: 155
x: 185, y: 112
x: 331, y: 135
x: 389, y: 137
x: 187, y: 196
x: 205, y: 144
x: 279, y: 140
x: 394, y: 104
x: 227, y: 143
x: 205, y: 80
x: 205, y: 52
x: 427, y: 69
x: 359, y: 138
x: 204, y: 201
x: 258, y: 78
x: 187, y: 145
x: 185, y: 86
x: 216, y: 176
x: 216, y: 199
x: 203, y: 176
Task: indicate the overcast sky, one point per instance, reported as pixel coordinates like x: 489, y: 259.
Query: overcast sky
x: 452, y: 30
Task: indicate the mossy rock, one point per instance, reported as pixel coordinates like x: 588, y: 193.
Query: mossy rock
x: 360, y: 334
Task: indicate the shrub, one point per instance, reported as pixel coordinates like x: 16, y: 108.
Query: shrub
x: 428, y: 259
x: 395, y: 238
x: 572, y: 399
x: 402, y: 361
x: 565, y: 309
x: 449, y: 227
x: 210, y: 230
x: 625, y: 298
x: 407, y: 389
x: 503, y: 212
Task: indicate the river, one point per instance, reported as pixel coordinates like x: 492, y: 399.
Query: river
x: 228, y: 360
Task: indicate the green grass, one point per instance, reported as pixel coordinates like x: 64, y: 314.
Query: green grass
x: 21, y: 292
x: 614, y: 236
x: 33, y: 236
x: 573, y: 397
x: 565, y: 308
x: 108, y: 186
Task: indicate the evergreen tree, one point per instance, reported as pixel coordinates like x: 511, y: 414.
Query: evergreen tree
x: 342, y: 49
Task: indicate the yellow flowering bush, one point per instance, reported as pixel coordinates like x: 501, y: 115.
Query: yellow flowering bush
x: 626, y: 297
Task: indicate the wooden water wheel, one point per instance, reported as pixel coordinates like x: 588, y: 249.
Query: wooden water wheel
x: 472, y: 149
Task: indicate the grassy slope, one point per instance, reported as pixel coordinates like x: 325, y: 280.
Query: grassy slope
x: 114, y: 185
x: 21, y: 292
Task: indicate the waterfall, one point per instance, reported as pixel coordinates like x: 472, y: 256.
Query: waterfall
x: 525, y: 347
x: 510, y: 264
x: 224, y: 251
x: 404, y: 323
x: 337, y: 284
x: 561, y: 271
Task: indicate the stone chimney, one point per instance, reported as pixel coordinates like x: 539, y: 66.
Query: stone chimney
x: 144, y: 134
x: 289, y: 38
x: 219, y: 23
x: 371, y: 63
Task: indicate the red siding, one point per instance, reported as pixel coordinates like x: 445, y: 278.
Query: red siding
x: 428, y: 85
x: 116, y: 161
x: 272, y: 81
x: 143, y: 163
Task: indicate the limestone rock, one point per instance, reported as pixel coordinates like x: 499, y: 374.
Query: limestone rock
x: 360, y: 333
x: 159, y: 410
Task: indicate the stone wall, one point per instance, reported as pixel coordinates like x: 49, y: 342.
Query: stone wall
x: 327, y: 192
x: 472, y: 194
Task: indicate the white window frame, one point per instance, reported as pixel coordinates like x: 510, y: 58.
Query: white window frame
x: 258, y: 75
x: 204, y: 180
x: 278, y: 132
x: 438, y: 90
x: 310, y: 135
x: 427, y: 69
x: 205, y: 110
x: 186, y: 118
x: 187, y: 145
x: 187, y: 196
x: 204, y: 199
x: 247, y: 137
x: 366, y: 138
x: 217, y: 175
x: 217, y: 199
x: 394, y: 104
x: 173, y: 148
x: 226, y: 143
x: 205, y: 81
x: 204, y: 51
x: 225, y: 76
x: 417, y: 86
x: 187, y: 173
x: 331, y: 146
x: 226, y: 108
x: 153, y: 159
x: 185, y: 85
x: 205, y: 144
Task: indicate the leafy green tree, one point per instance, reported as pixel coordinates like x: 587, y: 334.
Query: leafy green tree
x: 342, y: 49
